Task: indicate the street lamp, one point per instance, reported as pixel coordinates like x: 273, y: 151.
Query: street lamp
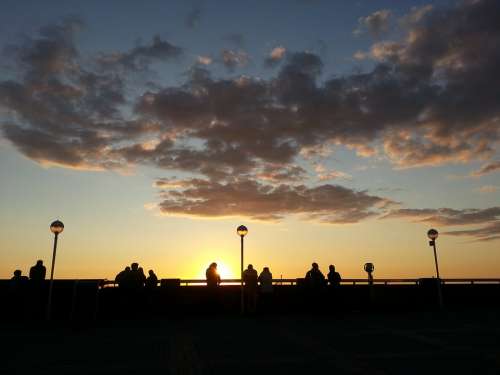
x: 242, y: 231
x: 433, y: 235
x: 369, y: 268
x: 56, y: 227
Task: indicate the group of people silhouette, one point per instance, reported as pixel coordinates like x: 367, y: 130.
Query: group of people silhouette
x: 37, y: 274
x: 133, y: 278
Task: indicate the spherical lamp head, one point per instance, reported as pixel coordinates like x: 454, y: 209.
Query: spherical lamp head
x: 432, y: 234
x: 242, y: 231
x: 56, y: 227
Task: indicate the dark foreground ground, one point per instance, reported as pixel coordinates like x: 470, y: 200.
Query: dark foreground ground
x: 355, y: 343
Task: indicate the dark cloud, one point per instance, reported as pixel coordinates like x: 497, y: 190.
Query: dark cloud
x: 447, y: 216
x: 140, y: 57
x: 487, y: 168
x: 431, y: 98
x: 243, y: 197
x: 377, y: 23
x: 488, y: 218
x: 51, y: 53
x: 489, y: 232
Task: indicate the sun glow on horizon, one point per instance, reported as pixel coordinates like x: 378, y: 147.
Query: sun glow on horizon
x: 224, y: 271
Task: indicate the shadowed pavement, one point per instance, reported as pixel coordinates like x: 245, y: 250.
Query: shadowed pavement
x: 462, y: 343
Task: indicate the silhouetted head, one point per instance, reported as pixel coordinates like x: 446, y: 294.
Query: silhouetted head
x: 127, y: 268
x: 250, y: 267
x: 332, y: 268
x: 39, y: 262
x: 135, y: 266
x: 266, y: 269
x: 17, y: 273
x: 315, y: 266
x: 151, y: 273
x: 141, y: 270
x: 213, y: 265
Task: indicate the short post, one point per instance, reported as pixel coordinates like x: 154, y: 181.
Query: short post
x: 369, y: 268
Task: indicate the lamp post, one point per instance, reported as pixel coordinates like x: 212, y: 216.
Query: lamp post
x: 56, y: 227
x: 242, y: 231
x: 369, y: 268
x: 433, y: 235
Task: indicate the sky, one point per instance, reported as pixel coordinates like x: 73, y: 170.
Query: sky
x: 337, y: 132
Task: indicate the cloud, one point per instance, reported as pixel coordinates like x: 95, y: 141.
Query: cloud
x: 243, y: 197
x: 490, y: 232
x: 487, y: 189
x: 140, y: 57
x: 415, y: 15
x: 234, y: 59
x: 204, y: 60
x: 487, y: 168
x: 376, y: 24
x: 489, y: 218
x: 325, y: 175
x: 447, y: 216
x: 275, y: 56
x: 430, y: 98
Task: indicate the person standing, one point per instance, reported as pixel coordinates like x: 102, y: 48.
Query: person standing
x: 250, y: 279
x: 334, y: 278
x: 213, y: 278
x: 266, y: 289
x: 152, y: 280
x: 314, y: 277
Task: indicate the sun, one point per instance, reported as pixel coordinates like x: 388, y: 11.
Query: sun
x: 224, y: 271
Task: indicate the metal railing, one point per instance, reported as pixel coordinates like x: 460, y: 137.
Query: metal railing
x: 203, y: 282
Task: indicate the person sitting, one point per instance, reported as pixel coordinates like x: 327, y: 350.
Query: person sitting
x: 314, y: 277
x: 38, y: 271
x: 333, y: 276
x: 121, y: 278
x: 152, y: 280
x: 213, y: 278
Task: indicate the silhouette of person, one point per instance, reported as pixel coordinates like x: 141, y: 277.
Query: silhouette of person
x: 266, y: 281
x: 213, y: 278
x: 136, y: 277
x: 38, y: 271
x: 266, y: 289
x: 18, y: 281
x: 121, y: 278
x: 17, y: 294
x: 314, y: 277
x: 334, y: 278
x: 152, y: 280
x: 250, y: 278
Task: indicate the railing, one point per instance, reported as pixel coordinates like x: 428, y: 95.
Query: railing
x: 202, y: 282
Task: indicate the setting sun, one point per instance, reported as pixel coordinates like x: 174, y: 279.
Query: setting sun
x: 224, y: 271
